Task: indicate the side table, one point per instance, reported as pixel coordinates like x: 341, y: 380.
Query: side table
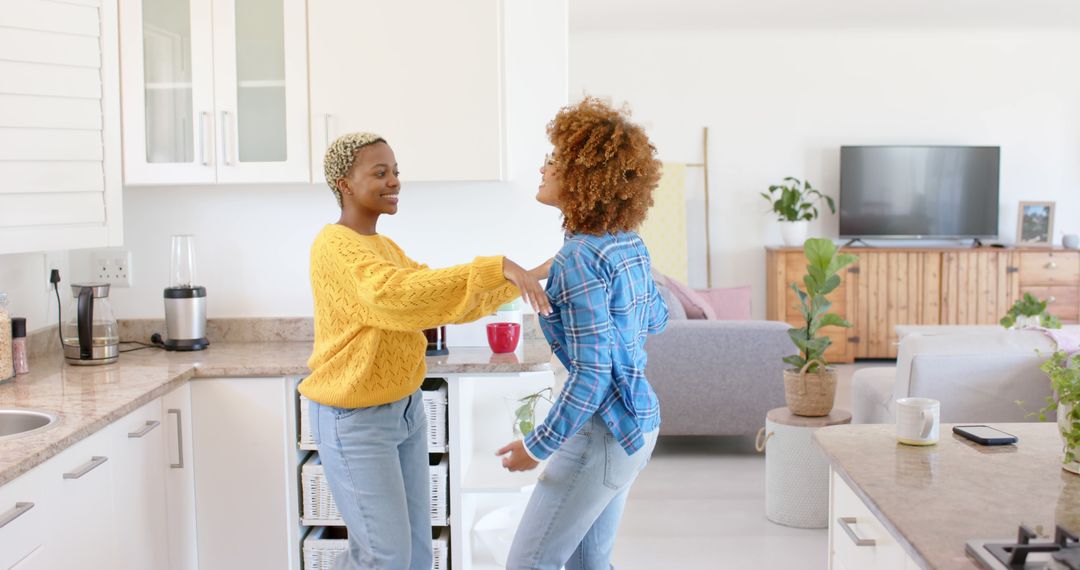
x: 796, y: 473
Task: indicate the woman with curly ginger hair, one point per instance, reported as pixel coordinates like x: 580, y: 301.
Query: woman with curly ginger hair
x: 602, y: 428
x: 372, y: 303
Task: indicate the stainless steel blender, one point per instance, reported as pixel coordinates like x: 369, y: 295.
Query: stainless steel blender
x: 185, y: 302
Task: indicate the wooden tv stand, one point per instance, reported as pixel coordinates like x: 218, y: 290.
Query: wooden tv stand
x: 925, y: 286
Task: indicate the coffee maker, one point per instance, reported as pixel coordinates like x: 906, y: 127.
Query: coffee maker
x: 185, y: 302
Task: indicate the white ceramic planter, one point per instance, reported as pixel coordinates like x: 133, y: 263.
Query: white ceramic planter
x: 794, y: 233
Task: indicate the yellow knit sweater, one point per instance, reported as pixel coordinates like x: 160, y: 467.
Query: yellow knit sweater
x: 371, y: 305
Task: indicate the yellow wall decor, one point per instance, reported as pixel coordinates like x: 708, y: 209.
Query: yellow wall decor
x: 664, y: 230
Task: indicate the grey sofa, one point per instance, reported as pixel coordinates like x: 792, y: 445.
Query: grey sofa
x: 717, y: 377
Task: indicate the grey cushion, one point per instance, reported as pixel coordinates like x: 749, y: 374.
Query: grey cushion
x: 676, y: 312
x: 717, y: 377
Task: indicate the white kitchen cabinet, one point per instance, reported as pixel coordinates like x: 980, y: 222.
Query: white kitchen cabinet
x: 244, y: 439
x: 84, y: 529
x: 139, y: 488
x: 214, y: 91
x: 180, y: 479
x: 60, y: 153
x: 857, y: 538
x: 25, y: 520
x: 427, y: 77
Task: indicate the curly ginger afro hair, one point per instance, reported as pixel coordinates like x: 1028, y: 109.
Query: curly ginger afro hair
x: 607, y: 166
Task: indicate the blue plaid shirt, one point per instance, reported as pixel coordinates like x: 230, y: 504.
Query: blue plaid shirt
x: 604, y: 303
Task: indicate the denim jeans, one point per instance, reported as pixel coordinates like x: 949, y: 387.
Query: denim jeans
x: 574, y: 512
x: 376, y: 464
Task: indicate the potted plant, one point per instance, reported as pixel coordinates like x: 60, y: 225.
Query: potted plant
x: 795, y: 207
x: 1029, y: 311
x: 525, y: 411
x: 1064, y: 372
x: 810, y: 385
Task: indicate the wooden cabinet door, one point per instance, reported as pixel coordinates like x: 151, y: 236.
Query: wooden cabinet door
x: 978, y: 287
x: 892, y: 288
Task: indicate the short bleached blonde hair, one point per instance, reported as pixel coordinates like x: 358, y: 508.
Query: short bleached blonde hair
x: 340, y: 156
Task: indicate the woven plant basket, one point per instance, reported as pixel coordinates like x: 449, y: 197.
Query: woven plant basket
x: 810, y: 394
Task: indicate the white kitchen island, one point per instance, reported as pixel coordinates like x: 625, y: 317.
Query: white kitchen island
x: 898, y: 507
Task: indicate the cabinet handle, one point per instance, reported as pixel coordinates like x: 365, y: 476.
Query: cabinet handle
x: 94, y: 463
x: 226, y: 148
x: 150, y: 425
x: 1051, y: 299
x: 19, y: 510
x: 204, y: 148
x: 179, y: 441
x: 1051, y: 265
x: 845, y: 523
x: 326, y: 129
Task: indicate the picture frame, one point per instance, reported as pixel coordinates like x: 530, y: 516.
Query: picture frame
x: 1035, y: 224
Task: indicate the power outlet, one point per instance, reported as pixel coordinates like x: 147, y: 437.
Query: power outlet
x: 53, y: 260
x: 113, y: 266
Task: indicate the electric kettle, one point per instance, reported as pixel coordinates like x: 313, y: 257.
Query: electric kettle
x: 92, y: 335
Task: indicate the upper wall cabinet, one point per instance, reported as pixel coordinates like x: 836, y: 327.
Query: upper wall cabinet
x: 426, y: 76
x: 214, y: 91
x: 59, y: 125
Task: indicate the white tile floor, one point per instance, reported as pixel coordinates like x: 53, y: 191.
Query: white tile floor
x: 700, y: 504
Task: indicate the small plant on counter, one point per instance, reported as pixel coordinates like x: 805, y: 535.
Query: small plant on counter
x: 1064, y: 372
x: 525, y: 413
x: 1025, y: 309
x: 797, y: 200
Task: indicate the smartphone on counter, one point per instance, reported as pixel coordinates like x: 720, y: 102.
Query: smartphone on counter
x: 984, y: 435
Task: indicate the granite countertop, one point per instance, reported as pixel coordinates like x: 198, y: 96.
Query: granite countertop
x: 934, y: 499
x: 88, y: 398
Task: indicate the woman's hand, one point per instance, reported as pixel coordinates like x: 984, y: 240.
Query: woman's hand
x: 518, y: 460
x: 531, y: 291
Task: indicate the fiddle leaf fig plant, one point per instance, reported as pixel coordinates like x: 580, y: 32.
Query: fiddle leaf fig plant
x: 525, y: 413
x: 797, y: 200
x: 822, y: 278
x: 1030, y: 306
x: 1064, y: 372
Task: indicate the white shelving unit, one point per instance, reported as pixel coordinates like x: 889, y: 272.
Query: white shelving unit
x: 477, y: 416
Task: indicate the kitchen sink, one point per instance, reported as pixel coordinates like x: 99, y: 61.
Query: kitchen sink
x: 16, y: 422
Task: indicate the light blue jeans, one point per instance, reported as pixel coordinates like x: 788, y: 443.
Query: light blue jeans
x: 376, y: 463
x: 574, y: 512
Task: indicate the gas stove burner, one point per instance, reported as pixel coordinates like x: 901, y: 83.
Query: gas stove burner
x: 1028, y: 553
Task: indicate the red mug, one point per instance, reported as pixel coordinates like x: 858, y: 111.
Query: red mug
x: 503, y: 337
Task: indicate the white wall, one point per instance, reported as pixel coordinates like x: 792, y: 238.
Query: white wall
x: 25, y: 279
x: 781, y: 103
x: 252, y: 242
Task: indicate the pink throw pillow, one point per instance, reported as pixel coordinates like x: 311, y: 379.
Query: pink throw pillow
x: 696, y: 306
x: 728, y: 304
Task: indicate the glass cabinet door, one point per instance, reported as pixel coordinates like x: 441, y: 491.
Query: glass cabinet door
x: 167, y: 86
x: 260, y: 81
x: 166, y: 29
x: 260, y: 69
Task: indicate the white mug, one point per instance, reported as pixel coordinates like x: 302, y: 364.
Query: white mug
x: 918, y: 421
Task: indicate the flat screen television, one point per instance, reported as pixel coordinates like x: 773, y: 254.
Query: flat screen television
x: 919, y: 192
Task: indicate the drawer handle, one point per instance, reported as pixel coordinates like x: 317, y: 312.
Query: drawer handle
x: 94, y: 463
x: 179, y: 440
x: 845, y: 523
x: 19, y: 510
x: 1051, y: 299
x: 150, y: 425
x: 1051, y: 265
